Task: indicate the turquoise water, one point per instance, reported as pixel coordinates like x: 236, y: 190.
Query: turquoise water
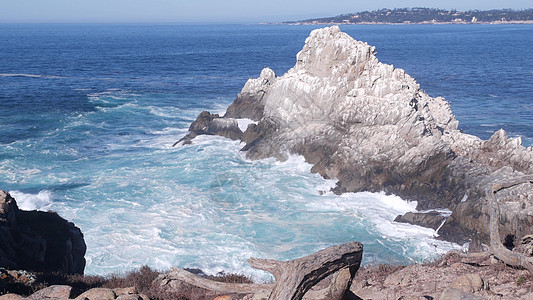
x: 89, y: 114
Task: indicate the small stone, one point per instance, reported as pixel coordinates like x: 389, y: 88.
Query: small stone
x: 11, y: 297
x: 125, y: 291
x: 261, y: 295
x: 340, y: 284
x: 129, y: 297
x: 469, y: 283
x: 397, y: 278
x: 455, y: 294
x: 97, y: 294
x: 493, y: 260
x: 358, y: 285
x: 54, y: 292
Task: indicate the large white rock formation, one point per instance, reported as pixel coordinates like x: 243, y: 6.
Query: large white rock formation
x: 370, y: 126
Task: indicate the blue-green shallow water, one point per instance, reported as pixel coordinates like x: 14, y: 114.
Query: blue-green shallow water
x: 89, y: 114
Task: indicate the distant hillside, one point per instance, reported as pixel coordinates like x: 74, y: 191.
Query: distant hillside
x: 426, y: 15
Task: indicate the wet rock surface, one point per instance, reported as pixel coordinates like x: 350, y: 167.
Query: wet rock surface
x: 212, y: 124
x: 431, y: 219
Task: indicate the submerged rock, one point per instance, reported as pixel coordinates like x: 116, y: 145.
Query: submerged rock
x: 431, y: 219
x: 370, y: 126
x: 38, y: 241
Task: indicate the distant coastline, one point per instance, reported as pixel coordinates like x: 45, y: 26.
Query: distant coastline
x: 404, y: 23
x: 421, y: 15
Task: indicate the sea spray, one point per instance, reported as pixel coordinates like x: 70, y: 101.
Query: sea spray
x: 40, y: 201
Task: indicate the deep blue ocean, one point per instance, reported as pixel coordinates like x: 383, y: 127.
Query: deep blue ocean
x: 89, y: 114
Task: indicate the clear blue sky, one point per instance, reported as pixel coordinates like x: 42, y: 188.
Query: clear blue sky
x: 237, y: 11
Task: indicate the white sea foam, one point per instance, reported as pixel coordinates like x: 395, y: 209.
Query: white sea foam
x: 165, y: 112
x: 441, y: 211
x: 20, y: 176
x: 492, y: 125
x: 40, y: 201
x: 379, y: 211
x: 243, y: 123
x: 29, y: 75
x: 205, y: 205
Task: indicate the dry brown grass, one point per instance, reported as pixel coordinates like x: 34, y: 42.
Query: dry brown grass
x: 230, y: 278
x: 142, y: 279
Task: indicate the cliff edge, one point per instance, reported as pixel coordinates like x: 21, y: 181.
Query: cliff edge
x: 371, y: 127
x: 38, y: 241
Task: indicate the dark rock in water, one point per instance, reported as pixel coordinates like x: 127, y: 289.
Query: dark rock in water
x: 38, y: 241
x: 370, y: 126
x: 212, y: 124
x: 249, y: 104
x: 431, y: 219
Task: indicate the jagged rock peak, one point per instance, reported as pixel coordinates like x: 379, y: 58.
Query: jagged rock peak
x: 254, y: 85
x: 330, y: 44
x: 338, y: 79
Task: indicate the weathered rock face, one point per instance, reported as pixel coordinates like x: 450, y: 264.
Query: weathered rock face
x: 212, y: 124
x: 370, y: 126
x: 38, y: 241
x: 249, y: 103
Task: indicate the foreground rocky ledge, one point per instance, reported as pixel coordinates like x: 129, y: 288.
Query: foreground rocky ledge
x: 38, y: 241
x: 294, y: 280
x: 371, y: 127
x: 451, y: 277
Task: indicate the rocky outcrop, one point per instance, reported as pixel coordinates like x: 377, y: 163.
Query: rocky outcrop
x: 212, y: 124
x: 330, y: 270
x: 250, y: 103
x: 370, y: 126
x: 66, y: 292
x: 431, y: 219
x: 38, y: 241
